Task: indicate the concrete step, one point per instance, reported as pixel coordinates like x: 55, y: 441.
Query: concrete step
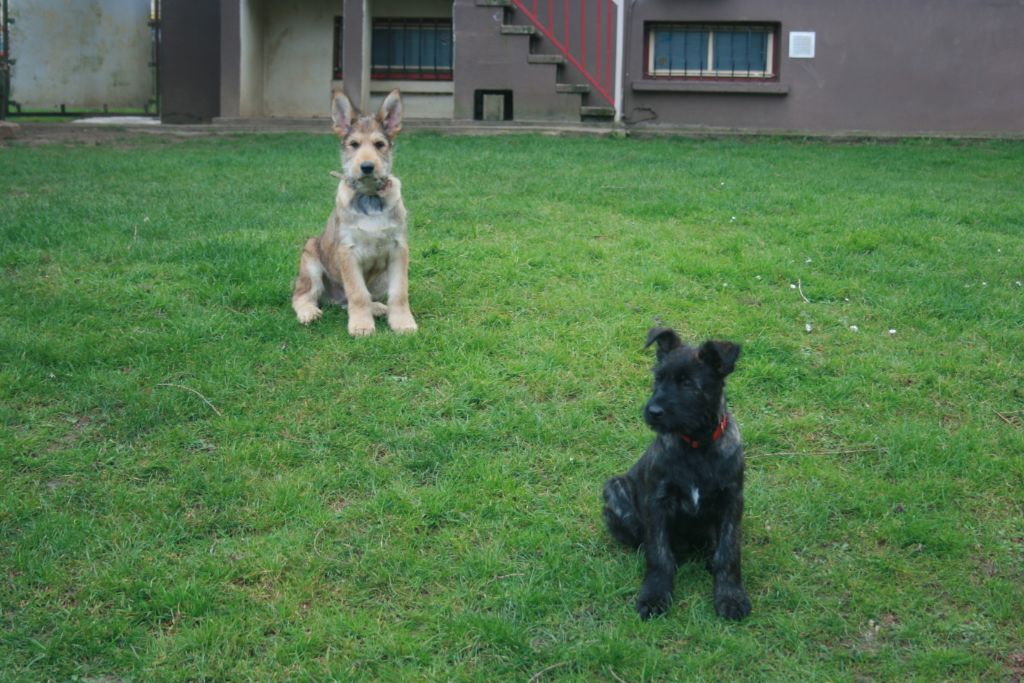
x: 546, y: 59
x: 570, y: 88
x: 597, y: 112
x: 516, y: 30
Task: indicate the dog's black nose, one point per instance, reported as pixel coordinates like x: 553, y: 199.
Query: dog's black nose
x: 366, y: 167
x: 655, y: 410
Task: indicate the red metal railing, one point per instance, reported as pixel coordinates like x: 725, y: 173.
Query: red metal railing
x: 588, y: 44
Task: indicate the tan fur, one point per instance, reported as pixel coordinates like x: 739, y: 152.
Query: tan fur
x: 362, y: 256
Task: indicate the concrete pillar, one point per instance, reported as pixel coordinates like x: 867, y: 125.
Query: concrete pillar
x: 356, y: 51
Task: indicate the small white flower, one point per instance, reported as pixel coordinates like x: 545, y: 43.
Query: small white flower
x: 733, y: 219
x: 807, y: 327
x: 846, y: 298
x: 854, y: 328
x: 725, y: 284
x: 792, y: 286
x: 758, y: 277
x: 892, y: 331
x: 807, y: 261
x: 1019, y: 284
x: 984, y: 284
x: 999, y: 251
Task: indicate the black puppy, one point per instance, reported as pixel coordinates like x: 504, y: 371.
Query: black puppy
x: 687, y: 489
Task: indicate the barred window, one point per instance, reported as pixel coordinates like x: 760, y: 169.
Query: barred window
x: 695, y: 51
x: 415, y: 49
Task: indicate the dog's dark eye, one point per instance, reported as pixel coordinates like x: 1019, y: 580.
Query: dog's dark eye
x: 354, y: 144
x: 379, y: 144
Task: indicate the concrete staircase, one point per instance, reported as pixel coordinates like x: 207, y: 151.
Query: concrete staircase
x: 568, y: 82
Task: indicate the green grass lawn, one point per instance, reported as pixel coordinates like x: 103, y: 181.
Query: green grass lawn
x: 428, y: 507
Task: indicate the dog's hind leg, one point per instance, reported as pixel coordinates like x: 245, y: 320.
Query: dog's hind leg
x: 620, y: 513
x: 309, y: 285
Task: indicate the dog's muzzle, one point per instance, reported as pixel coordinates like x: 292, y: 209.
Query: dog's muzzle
x: 653, y: 414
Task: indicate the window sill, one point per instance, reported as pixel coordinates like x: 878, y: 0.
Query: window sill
x: 414, y: 87
x: 714, y: 87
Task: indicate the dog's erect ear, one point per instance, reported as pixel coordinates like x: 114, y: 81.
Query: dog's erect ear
x: 390, y: 114
x: 343, y: 114
x: 667, y: 340
x: 719, y: 355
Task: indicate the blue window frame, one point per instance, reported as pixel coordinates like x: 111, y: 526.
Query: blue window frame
x: 414, y: 49
x: 696, y: 51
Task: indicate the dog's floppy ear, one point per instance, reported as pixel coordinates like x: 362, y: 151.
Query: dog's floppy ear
x: 390, y: 114
x: 343, y: 114
x: 719, y: 355
x: 667, y: 340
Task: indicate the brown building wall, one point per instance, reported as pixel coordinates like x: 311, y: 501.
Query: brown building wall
x: 881, y: 65
x: 487, y: 59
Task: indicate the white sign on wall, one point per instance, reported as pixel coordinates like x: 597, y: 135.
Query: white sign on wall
x: 801, y: 44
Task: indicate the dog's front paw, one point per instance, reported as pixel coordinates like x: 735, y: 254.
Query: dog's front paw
x: 378, y: 309
x: 360, y: 326
x: 732, y: 603
x: 402, y: 323
x: 653, y: 603
x: 308, y: 313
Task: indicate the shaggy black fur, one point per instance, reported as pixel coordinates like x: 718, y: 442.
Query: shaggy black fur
x: 686, y: 492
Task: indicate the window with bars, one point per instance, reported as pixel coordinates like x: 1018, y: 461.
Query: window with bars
x: 414, y: 49
x: 339, y: 33
x: 711, y: 51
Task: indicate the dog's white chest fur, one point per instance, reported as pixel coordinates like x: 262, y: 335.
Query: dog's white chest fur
x: 372, y: 237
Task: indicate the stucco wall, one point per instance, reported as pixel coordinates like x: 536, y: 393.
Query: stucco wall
x: 83, y: 54
x: 250, y: 86
x: 485, y: 59
x: 285, y: 52
x: 880, y: 66
x: 297, y: 51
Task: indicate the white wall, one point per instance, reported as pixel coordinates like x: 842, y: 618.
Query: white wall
x: 81, y: 53
x: 250, y: 77
x: 286, y: 53
x: 298, y: 47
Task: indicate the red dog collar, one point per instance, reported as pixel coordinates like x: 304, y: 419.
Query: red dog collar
x: 715, y: 435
